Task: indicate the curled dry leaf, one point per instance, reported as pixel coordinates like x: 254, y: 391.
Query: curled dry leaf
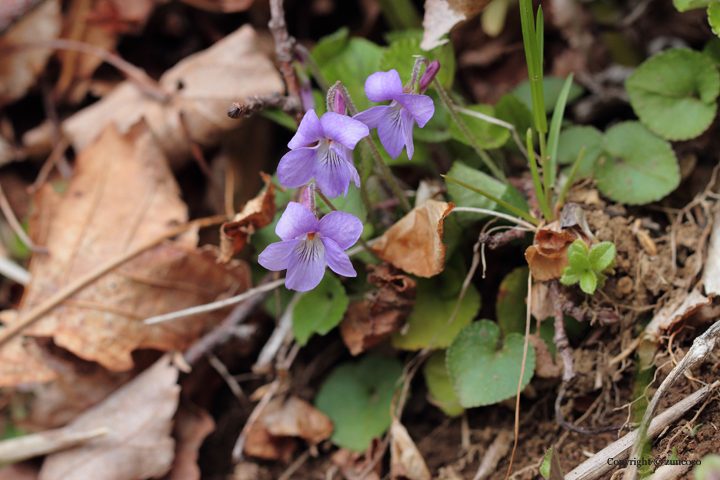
x: 138, y: 444
x: 270, y: 437
x: 675, y: 311
x: 414, y: 243
x: 406, y: 461
x: 442, y: 15
x: 122, y: 194
x: 257, y: 213
x: 382, y: 313
x: 200, y: 87
x: 547, y: 256
x: 19, y: 69
x: 191, y: 428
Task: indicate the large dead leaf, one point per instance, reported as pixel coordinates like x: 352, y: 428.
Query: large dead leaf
x: 200, y: 88
x: 442, y: 15
x: 21, y: 361
x: 414, y: 243
x: 138, y: 444
x: 122, y: 195
x: 19, y: 69
x: 406, y: 461
x: 191, y: 428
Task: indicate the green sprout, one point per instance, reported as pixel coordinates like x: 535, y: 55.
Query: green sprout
x: 586, y: 265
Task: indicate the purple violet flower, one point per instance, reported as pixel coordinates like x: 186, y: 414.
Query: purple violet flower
x: 330, y: 161
x: 395, y: 122
x: 308, y: 244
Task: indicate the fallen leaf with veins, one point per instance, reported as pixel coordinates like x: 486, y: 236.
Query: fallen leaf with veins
x: 442, y: 15
x: 674, y: 312
x: 271, y: 436
x: 122, y: 194
x: 257, y: 213
x: 21, y: 361
x: 382, y: 312
x: 191, y: 428
x: 200, y: 88
x: 138, y: 444
x: 406, y: 461
x: 414, y: 243
x: 19, y: 69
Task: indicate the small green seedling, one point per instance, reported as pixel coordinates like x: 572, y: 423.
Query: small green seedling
x: 550, y: 468
x: 692, y: 432
x: 586, y: 265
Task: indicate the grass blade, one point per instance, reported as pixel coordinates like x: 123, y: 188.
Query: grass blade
x: 554, y: 134
x: 544, y: 208
x: 532, y: 57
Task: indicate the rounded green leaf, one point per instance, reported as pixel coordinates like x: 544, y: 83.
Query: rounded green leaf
x: 487, y: 134
x: 602, y: 256
x: 482, y: 370
x: 579, y: 247
x: 320, y: 309
x: 674, y: 93
x: 712, y: 50
x: 640, y: 167
x: 357, y: 398
x: 713, y: 12
x: 438, y: 384
x: 510, y: 109
x: 511, y: 309
x: 572, y: 140
x: 552, y: 86
x: 588, y: 282
x: 570, y: 276
x: 579, y: 262
x: 435, y: 303
x: 467, y: 198
x: 400, y: 56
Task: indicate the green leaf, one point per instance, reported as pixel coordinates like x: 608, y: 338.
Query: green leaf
x: 674, y: 93
x: 487, y: 134
x: 481, y: 370
x: 435, y: 303
x: 572, y: 140
x: 357, y: 398
x: 320, y: 309
x: 399, y: 56
x: 437, y: 129
x: 640, y: 168
x: 552, y: 86
x: 438, y: 383
x: 712, y: 50
x: 602, y: 256
x: 570, y: 276
x: 467, y: 198
x: 554, y: 133
x: 579, y: 247
x: 685, y: 5
x: 708, y: 468
x: 330, y: 46
x: 510, y: 308
x: 713, y: 13
x: 588, y: 282
x: 356, y: 61
x: 550, y: 468
x: 533, y: 57
x: 579, y: 262
x: 510, y: 109
x: 352, y: 203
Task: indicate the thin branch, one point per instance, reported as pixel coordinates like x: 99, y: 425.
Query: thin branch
x: 284, y: 49
x: 255, y: 103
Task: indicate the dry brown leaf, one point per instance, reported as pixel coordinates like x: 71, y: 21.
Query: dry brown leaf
x: 442, y: 15
x: 138, y: 444
x: 122, y: 194
x: 545, y: 366
x: 257, y: 213
x: 224, y: 6
x: 19, y: 69
x: 21, y: 360
x: 353, y: 463
x: 201, y: 87
x: 191, y: 428
x: 414, y: 243
x: 382, y: 313
x: 19, y: 471
x: 674, y: 312
x: 406, y: 461
x: 548, y: 255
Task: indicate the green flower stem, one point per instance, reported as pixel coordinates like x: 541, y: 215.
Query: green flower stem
x: 575, y: 166
x: 545, y: 163
x: 400, y: 14
x: 547, y: 213
x: 332, y: 207
x: 384, y: 169
x: 447, y: 101
x: 495, y: 199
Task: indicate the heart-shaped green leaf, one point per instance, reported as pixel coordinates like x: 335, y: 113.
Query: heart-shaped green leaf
x: 552, y: 86
x: 572, y: 140
x: 357, y: 398
x: 467, y: 198
x: 685, y: 5
x: 674, y: 93
x: 510, y: 308
x: 487, y: 134
x: 602, y: 256
x: 713, y: 13
x: 438, y: 384
x: 320, y: 309
x: 640, y: 166
x: 481, y: 370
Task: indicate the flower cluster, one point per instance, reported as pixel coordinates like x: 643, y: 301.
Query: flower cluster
x: 321, y: 155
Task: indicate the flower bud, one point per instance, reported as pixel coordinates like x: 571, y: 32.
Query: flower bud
x: 429, y: 75
x: 339, y: 103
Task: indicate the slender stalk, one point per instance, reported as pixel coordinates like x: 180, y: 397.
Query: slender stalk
x: 332, y: 207
x: 498, y: 122
x: 545, y: 163
x: 384, y: 169
x: 495, y: 199
x: 447, y: 101
x: 547, y: 213
x: 520, y: 222
x: 575, y: 166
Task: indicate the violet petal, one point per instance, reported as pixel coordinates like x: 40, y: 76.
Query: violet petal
x: 276, y: 256
x: 407, y: 131
x: 343, y: 129
x: 331, y: 173
x: 295, y: 167
x: 337, y: 260
x: 382, y: 86
x: 307, y: 265
x: 390, y: 132
x: 309, y: 131
x: 372, y: 116
x: 296, y: 220
x: 421, y: 107
x: 342, y: 227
